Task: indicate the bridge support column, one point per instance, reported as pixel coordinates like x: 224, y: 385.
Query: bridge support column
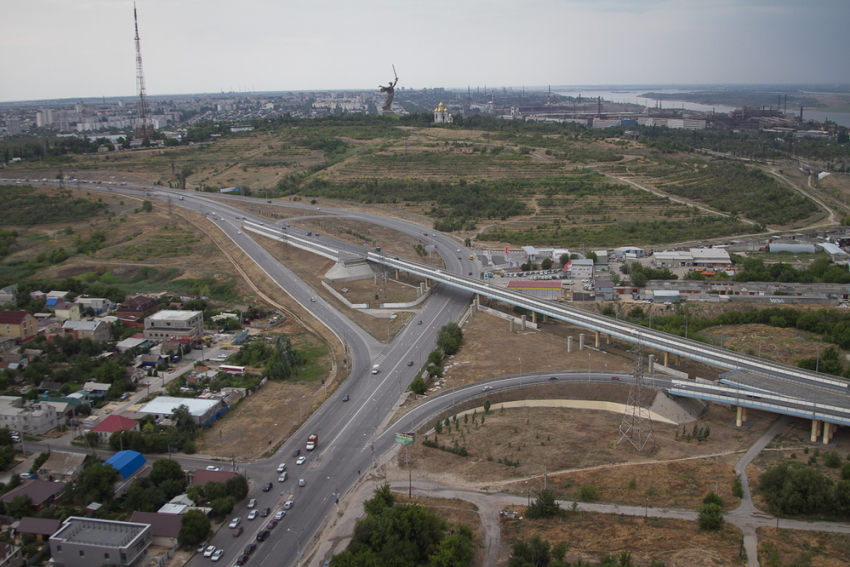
x: 678, y: 360
x: 827, y: 426
x: 607, y: 339
x: 815, y: 429
x: 739, y: 418
x: 745, y: 414
x: 569, y: 345
x: 650, y: 366
x: 478, y: 298
x: 581, y: 341
x: 511, y: 326
x: 396, y: 273
x: 596, y: 335
x: 534, y: 317
x: 545, y: 318
x: 666, y: 359
x: 522, y: 326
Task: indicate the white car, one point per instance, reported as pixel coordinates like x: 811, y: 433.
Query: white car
x: 252, y: 515
x: 282, y: 477
x: 217, y: 555
x: 279, y: 515
x: 301, y: 460
x: 212, y: 468
x: 209, y: 551
x: 288, y: 504
x: 233, y: 523
x: 252, y: 502
x: 281, y: 467
x: 302, y: 482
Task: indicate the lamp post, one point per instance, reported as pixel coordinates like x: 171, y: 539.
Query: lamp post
x: 589, y: 368
x: 520, y: 371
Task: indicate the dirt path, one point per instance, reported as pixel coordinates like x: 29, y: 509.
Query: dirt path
x: 831, y: 217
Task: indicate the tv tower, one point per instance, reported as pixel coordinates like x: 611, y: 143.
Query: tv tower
x: 144, y: 126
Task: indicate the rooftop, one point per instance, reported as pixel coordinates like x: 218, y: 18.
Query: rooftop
x: 172, y: 315
x: 99, y: 532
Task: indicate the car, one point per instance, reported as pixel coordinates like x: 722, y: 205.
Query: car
x: 345, y: 398
x: 265, y: 512
x: 242, y: 559
x: 458, y: 250
x: 282, y: 477
x: 458, y: 258
x: 238, y: 531
x: 252, y: 514
x: 668, y: 303
x: 302, y: 482
x: 486, y: 388
x: 221, y: 357
x: 249, y: 549
x: 209, y: 551
x: 301, y: 460
x: 419, y: 323
x: 553, y: 377
x: 252, y: 502
x: 281, y: 467
x: 263, y: 535
x: 470, y: 273
x: 272, y: 523
x: 288, y: 504
x: 267, y: 486
x: 238, y: 232
x: 212, y: 468
x: 279, y: 515
x: 615, y: 378
x: 410, y: 363
x: 234, y: 522
x: 201, y: 547
x: 269, y: 202
x: 217, y: 555
x: 261, y: 224
x: 296, y: 452
x: 313, y: 299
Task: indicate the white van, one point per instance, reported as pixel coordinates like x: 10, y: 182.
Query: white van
x: 375, y: 369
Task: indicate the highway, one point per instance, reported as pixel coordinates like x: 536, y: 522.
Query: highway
x: 349, y: 437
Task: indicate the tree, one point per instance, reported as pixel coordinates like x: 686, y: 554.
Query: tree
x: 592, y: 256
x: 710, y: 517
x: 95, y: 483
x: 544, y: 506
x: 382, y: 499
x: 713, y: 498
x: 19, y: 507
x: 237, y: 487
x: 194, y: 528
x: 147, y: 206
x: 165, y: 469
x: 564, y: 259
x: 450, y: 338
x: 546, y: 264
x: 418, y: 386
x: 455, y: 550
x: 532, y: 554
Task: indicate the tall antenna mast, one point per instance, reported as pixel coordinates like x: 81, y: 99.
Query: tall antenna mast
x: 637, y: 423
x: 144, y: 126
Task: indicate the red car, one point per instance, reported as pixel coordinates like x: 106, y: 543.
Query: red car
x: 238, y: 531
x: 272, y: 523
x: 615, y: 378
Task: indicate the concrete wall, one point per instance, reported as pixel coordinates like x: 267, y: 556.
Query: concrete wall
x: 507, y: 317
x: 342, y: 298
x: 418, y: 301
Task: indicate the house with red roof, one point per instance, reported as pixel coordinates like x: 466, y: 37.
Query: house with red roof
x: 114, y: 423
x: 19, y: 325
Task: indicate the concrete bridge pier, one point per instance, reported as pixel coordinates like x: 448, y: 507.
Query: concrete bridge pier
x: 545, y: 318
x: 569, y: 345
x: 815, y: 430
x: 511, y: 326
x: 650, y: 366
x: 581, y: 341
x: 607, y: 339
x: 596, y: 335
x: 666, y: 359
x: 534, y: 317
x: 396, y: 273
x: 522, y: 326
x: 741, y: 417
x: 828, y: 432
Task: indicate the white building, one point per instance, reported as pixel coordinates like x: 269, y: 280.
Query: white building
x: 202, y: 411
x: 168, y: 324
x: 83, y: 542
x: 28, y: 417
x: 581, y: 268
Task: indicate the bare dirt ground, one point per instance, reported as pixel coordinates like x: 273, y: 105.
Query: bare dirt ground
x: 402, y: 290
x: 591, y: 536
x: 579, y: 447
x: 795, y: 547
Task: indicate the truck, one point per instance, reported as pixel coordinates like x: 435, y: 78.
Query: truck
x: 375, y: 369
x: 377, y: 248
x: 312, y: 441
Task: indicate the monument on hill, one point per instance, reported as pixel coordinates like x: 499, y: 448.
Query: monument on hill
x: 390, y: 90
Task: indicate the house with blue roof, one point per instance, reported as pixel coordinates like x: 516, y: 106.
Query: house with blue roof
x: 126, y: 462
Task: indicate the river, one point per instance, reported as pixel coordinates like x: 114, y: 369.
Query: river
x: 631, y: 95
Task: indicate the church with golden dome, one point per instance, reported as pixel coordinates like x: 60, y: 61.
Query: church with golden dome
x: 442, y: 115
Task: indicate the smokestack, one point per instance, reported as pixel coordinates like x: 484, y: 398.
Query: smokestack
x: 785, y: 108
x: 801, y: 115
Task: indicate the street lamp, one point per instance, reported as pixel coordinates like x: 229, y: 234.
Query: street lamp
x: 520, y: 371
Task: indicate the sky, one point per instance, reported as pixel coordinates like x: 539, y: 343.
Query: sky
x: 83, y: 48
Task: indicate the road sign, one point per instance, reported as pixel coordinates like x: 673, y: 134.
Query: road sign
x: 404, y: 438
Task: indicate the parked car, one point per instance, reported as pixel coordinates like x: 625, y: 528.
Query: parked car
x: 217, y: 555
x: 209, y: 551
x: 410, y: 363
x: 201, y: 547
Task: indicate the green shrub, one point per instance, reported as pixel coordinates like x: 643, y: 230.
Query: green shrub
x: 588, y: 492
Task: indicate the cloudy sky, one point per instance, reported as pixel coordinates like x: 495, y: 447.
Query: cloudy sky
x: 82, y: 48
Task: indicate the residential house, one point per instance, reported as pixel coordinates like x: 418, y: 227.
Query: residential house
x: 42, y: 493
x: 165, y: 528
x: 41, y: 528
x: 19, y: 325
x: 202, y: 477
x: 113, y: 423
x: 10, y: 555
x: 99, y: 305
x: 62, y: 466
x: 28, y: 417
x: 97, y: 331
x: 64, y: 310
x: 137, y: 306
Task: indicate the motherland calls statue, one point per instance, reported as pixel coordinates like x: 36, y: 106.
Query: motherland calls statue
x: 390, y: 90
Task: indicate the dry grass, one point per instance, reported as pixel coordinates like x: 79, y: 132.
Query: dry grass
x: 590, y: 537
x: 796, y: 547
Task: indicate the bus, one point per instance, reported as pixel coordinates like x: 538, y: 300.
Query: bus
x: 240, y: 370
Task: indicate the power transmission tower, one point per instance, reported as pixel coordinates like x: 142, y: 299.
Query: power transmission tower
x: 144, y: 126
x: 637, y: 423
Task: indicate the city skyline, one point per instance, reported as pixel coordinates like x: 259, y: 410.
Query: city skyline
x: 189, y: 47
